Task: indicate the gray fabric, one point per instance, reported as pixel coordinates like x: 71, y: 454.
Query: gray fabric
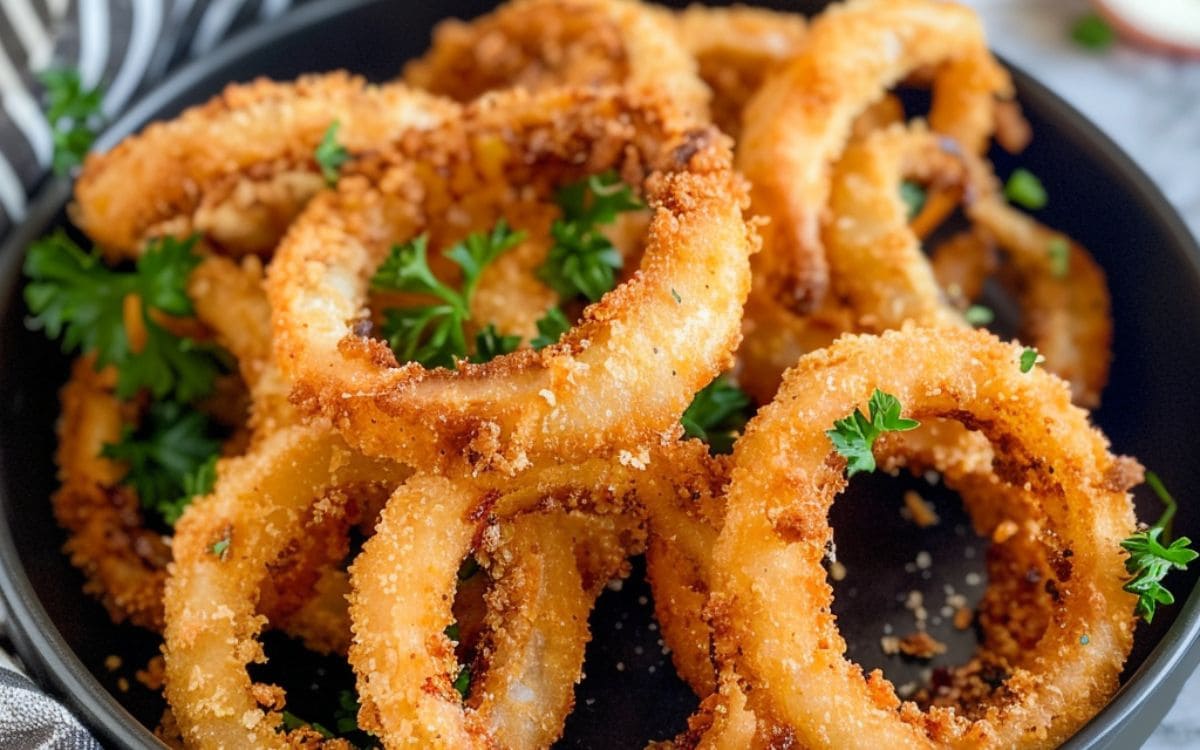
x: 31, y: 721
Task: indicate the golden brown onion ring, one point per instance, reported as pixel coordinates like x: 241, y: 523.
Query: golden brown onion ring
x: 1066, y: 312
x: 238, y: 168
x: 736, y: 47
x: 538, y: 44
x: 799, y: 121
x: 224, y: 545
x: 643, y: 350
x: 772, y: 583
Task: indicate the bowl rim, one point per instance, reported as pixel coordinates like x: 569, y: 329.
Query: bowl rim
x: 46, y: 653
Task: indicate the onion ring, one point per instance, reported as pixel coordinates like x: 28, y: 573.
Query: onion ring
x: 538, y: 44
x: 775, y: 603
x: 256, y: 510
x: 736, y: 47
x: 509, y: 412
x: 238, y: 168
x: 801, y: 118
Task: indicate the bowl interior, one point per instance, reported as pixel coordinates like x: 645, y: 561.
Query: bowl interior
x: 631, y: 693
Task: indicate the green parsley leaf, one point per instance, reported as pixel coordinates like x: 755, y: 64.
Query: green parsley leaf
x: 913, y: 196
x: 1029, y: 358
x: 73, y: 295
x: 550, y: 327
x: 1093, y: 33
x: 582, y: 261
x: 854, y: 436
x: 1025, y: 189
x: 220, y: 548
x: 292, y: 722
x: 73, y: 114
x: 1152, y: 556
x: 462, y: 683
x: 675, y: 296
x: 979, y: 315
x: 1059, y: 252
x: 717, y: 414
x: 330, y: 154
x: 346, y: 714
x: 171, y: 457
x: 453, y: 632
x: 433, y: 335
x: 490, y: 343
x: 468, y: 568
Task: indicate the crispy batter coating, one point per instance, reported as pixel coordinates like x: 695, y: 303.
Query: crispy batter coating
x: 238, y: 168
x: 675, y: 320
x: 736, y: 48
x: 538, y: 44
x: 773, y: 594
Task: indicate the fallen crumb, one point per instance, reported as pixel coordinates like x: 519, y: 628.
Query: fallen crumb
x: 123, y: 684
x: 890, y: 645
x: 963, y: 617
x: 921, y: 645
x: 112, y: 662
x: 920, y: 510
x: 154, y: 675
x: 837, y: 571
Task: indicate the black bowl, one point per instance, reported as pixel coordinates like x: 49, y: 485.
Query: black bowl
x: 631, y: 693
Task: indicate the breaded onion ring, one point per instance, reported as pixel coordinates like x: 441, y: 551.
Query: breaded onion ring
x: 238, y: 168
x: 643, y: 350
x: 523, y: 681
x: 538, y: 44
x: 736, y: 48
x: 799, y: 121
x: 1065, y: 312
x: 773, y: 597
x: 224, y: 545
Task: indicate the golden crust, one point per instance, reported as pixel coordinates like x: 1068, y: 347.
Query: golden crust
x: 538, y: 44
x: 239, y: 167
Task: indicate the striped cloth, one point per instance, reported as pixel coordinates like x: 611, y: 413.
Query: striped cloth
x: 125, y: 46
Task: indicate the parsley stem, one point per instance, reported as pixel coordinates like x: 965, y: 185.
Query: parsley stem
x: 1170, y: 506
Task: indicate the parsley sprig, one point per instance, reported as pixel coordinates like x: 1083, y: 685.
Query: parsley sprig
x: 855, y: 435
x: 434, y: 335
x: 72, y: 294
x: 550, y: 327
x: 1152, y: 556
x: 330, y: 154
x: 582, y: 261
x: 716, y: 415
x: 171, y: 457
x: 74, y: 116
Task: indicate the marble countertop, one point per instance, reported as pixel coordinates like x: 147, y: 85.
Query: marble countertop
x: 1150, y: 106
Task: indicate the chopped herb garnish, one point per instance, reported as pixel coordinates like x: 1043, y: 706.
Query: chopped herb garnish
x: 462, y: 683
x: 468, y: 568
x: 74, y: 116
x: 292, y: 722
x: 675, y: 296
x: 72, y: 294
x: 1093, y: 33
x: 434, y: 334
x: 171, y: 457
x: 346, y: 714
x: 582, y: 261
x: 330, y: 154
x: 1029, y: 358
x: 1025, y: 189
x: 1152, y: 556
x: 453, y: 632
x: 716, y: 415
x: 1084, y: 640
x: 550, y: 327
x: 220, y: 548
x: 490, y: 343
x: 854, y: 436
x: 1059, y: 253
x: 979, y: 315
x: 913, y: 196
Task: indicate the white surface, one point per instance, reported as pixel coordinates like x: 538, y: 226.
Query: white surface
x: 1151, y: 107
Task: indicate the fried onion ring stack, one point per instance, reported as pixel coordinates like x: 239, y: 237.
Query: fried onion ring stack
x: 357, y: 484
